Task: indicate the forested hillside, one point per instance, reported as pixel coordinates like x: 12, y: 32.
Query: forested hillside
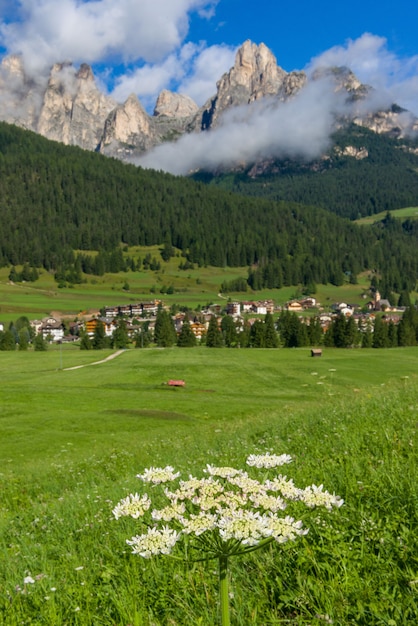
x: 56, y: 199
x: 385, y: 179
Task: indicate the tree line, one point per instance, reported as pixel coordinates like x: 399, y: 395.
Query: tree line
x: 59, y: 202
x: 385, y: 180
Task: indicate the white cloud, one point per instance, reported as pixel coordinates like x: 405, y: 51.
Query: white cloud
x: 130, y: 30
x: 207, y: 68
x: 192, y: 70
x: 300, y: 127
x: 394, y: 78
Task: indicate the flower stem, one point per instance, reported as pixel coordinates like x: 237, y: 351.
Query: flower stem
x: 223, y: 590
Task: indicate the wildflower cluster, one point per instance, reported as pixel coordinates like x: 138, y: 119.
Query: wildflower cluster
x: 225, y: 513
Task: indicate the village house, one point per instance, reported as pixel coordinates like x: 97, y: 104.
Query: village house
x: 308, y: 303
x: 109, y: 325
x: 52, y: 329
x: 132, y: 310
x: 198, y: 329
x: 233, y: 308
x: 260, y: 307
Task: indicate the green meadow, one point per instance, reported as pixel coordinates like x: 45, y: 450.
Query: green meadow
x: 402, y: 214
x: 73, y: 439
x: 193, y: 288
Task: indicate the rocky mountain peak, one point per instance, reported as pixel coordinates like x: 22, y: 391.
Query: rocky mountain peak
x: 255, y: 74
x: 174, y: 105
x: 71, y: 109
x: 128, y: 125
x: 343, y: 79
x: 13, y: 65
x: 85, y: 73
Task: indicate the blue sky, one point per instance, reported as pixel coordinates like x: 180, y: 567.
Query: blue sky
x: 143, y: 46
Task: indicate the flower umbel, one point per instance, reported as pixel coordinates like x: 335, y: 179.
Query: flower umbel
x: 157, y: 475
x: 133, y: 506
x: 154, y: 542
x: 268, y: 460
x: 224, y: 514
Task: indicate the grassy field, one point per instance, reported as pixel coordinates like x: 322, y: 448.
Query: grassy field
x: 193, y: 288
x: 72, y: 441
x: 402, y: 214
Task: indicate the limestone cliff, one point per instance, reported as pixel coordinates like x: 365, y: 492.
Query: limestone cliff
x: 255, y: 74
x: 71, y: 109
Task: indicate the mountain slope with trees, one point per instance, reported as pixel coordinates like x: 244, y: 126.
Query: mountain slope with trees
x: 364, y: 173
x: 56, y: 199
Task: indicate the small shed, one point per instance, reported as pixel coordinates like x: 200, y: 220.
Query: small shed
x: 316, y: 352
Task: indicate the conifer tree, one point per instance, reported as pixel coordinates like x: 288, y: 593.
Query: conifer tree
x: 120, y: 339
x: 187, y: 338
x: 270, y: 335
x: 164, y: 332
x: 380, y: 334
x: 213, y: 336
x: 7, y: 341
x: 39, y: 343
x: 99, y: 340
x: 85, y: 341
x: 229, y: 331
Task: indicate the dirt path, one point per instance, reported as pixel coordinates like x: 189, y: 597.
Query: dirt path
x: 108, y: 358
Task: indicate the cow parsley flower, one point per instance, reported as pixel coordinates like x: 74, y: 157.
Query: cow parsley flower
x: 224, y: 514
x: 155, y: 541
x: 268, y: 460
x: 157, y: 475
x: 168, y: 513
x: 316, y: 496
x: 248, y: 527
x: 133, y: 505
x: 283, y: 529
x: 284, y: 486
x: 268, y: 503
x: 198, y: 524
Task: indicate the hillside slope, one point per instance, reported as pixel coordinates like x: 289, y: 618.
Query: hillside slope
x: 55, y: 199
x: 364, y: 173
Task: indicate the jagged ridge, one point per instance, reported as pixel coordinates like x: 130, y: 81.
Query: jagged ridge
x: 71, y: 109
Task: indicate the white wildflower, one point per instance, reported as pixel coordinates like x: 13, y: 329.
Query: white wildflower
x: 232, y: 499
x: 246, y: 484
x: 268, y: 503
x: 28, y: 580
x: 156, y: 541
x: 268, y: 460
x: 198, y: 524
x: 316, y: 496
x: 170, y: 512
x: 245, y: 526
x: 157, y: 475
x: 133, y: 505
x: 283, y: 529
x: 284, y: 486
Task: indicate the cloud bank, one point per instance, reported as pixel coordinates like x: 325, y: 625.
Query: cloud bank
x: 146, y: 34
x: 302, y: 126
x: 297, y: 128
x: 395, y: 79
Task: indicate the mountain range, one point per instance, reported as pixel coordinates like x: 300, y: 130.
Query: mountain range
x: 70, y: 107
